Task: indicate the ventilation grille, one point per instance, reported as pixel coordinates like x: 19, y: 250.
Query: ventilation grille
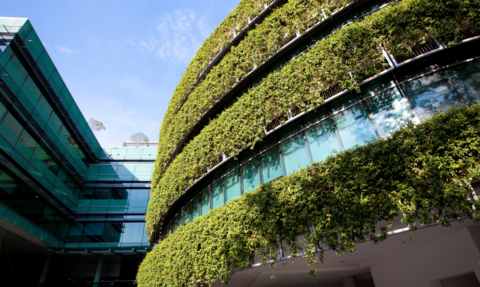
x: 276, y: 122
x: 332, y: 91
x: 468, y: 33
x: 417, y: 51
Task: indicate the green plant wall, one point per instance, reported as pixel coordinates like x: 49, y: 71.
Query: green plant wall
x: 237, y: 20
x: 423, y: 172
x: 273, y: 33
x: 347, y: 57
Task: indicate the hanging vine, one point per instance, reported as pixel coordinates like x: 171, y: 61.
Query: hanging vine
x: 422, y: 172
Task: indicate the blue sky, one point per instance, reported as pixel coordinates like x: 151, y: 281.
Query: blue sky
x: 122, y: 60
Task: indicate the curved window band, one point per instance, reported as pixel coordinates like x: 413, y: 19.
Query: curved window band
x: 382, y: 108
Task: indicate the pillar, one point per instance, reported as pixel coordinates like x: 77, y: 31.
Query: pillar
x: 98, y: 272
x: 46, y: 266
x: 349, y: 281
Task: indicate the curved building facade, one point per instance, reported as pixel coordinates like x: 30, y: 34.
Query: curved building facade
x: 308, y: 85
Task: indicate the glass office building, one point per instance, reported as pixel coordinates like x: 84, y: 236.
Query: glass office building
x: 70, y: 210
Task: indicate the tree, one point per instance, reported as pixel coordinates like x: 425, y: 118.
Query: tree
x: 96, y: 125
x: 139, y: 138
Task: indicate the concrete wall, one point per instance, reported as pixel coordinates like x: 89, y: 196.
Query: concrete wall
x: 434, y: 263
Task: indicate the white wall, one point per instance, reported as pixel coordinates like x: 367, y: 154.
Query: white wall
x: 449, y: 256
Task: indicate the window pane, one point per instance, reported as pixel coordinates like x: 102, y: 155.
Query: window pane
x: 353, y: 126
x: 133, y: 232
x: 390, y: 111
x: 294, y: 154
x: 232, y: 186
x: 250, y: 176
x: 204, y: 202
x: 430, y: 95
x: 322, y: 140
x: 217, y: 195
x: 270, y: 165
x: 139, y: 197
x: 10, y: 128
x: 466, y: 81
x: 26, y: 144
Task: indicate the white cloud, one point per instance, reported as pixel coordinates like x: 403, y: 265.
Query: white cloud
x: 177, y: 37
x: 63, y: 49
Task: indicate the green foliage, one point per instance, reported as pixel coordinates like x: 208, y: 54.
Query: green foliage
x: 273, y: 33
x: 422, y: 172
x: 348, y: 56
x: 237, y: 20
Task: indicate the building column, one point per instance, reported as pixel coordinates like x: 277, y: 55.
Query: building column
x: 98, y: 272
x: 46, y: 266
x: 349, y: 281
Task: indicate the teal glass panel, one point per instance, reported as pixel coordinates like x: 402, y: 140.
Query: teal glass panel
x: 17, y: 71
x: 10, y: 128
x: 185, y: 217
x: 112, y: 232
x: 55, y: 123
x: 43, y: 108
x: 250, y: 176
x: 270, y: 165
x: 195, y: 212
x: 466, y: 81
x: 26, y: 144
x: 232, y: 186
x: 144, y: 169
x: 322, y: 140
x: 31, y: 91
x: 108, y: 169
x: 133, y: 232
x: 294, y: 154
x: 390, y: 111
x: 430, y: 95
x: 26, y: 102
x: 139, y: 197
x: 93, y: 232
x: 204, y: 202
x: 354, y: 126
x: 216, y: 198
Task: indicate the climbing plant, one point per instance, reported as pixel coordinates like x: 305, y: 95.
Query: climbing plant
x: 236, y: 21
x: 346, y: 57
x: 423, y: 172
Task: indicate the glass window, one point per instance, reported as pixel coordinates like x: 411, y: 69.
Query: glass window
x: 144, y: 169
x: 466, y: 81
x: 232, y: 186
x: 26, y: 144
x: 322, y: 140
x: 55, y: 123
x: 133, y: 232
x: 10, y: 128
x: 294, y: 154
x: 93, y: 232
x: 112, y: 232
x: 139, y: 197
x: 270, y: 165
x: 354, y: 126
x: 217, y: 194
x: 250, y: 176
x: 431, y: 94
x: 204, y: 202
x: 390, y: 111
x: 43, y: 108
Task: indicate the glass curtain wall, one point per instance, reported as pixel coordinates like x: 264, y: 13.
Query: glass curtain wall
x: 36, y: 159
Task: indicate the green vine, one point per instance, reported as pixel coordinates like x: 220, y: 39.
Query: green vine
x: 262, y: 42
x: 422, y: 172
x: 219, y: 39
x: 347, y: 57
